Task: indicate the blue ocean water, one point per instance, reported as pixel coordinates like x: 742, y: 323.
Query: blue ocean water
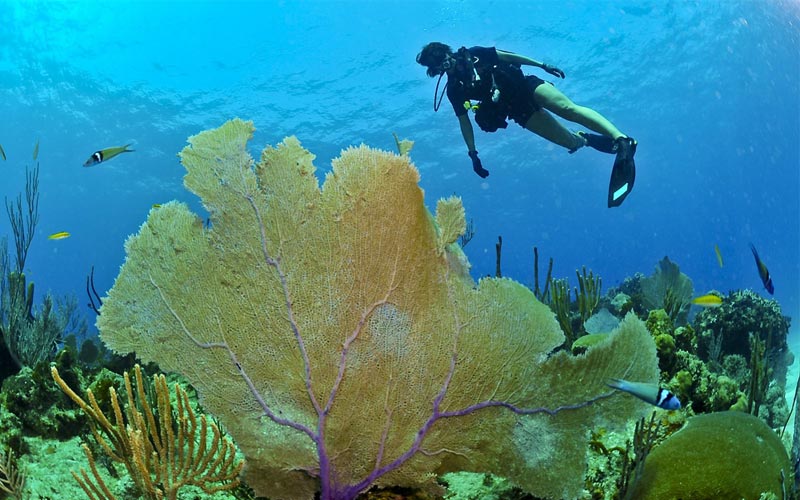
x: 708, y: 88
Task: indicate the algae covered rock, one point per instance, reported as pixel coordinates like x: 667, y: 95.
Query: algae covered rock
x: 726, y: 455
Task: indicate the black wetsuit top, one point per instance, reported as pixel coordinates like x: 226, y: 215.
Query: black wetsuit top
x: 516, y: 91
x: 461, y: 87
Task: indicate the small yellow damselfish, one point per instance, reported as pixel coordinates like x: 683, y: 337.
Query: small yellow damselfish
x: 707, y: 300
x: 59, y: 236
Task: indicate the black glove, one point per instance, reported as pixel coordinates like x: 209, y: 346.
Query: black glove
x: 477, y: 166
x: 553, y: 70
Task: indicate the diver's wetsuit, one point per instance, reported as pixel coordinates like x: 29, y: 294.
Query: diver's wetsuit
x: 516, y: 93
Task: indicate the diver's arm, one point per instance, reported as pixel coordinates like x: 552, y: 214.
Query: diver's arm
x: 469, y: 139
x: 519, y: 60
x: 467, y: 132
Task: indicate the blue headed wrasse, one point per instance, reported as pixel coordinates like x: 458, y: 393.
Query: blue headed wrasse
x: 763, y: 272
x: 106, y: 154
x: 719, y: 255
x: 650, y: 393
x: 707, y: 300
x: 59, y: 236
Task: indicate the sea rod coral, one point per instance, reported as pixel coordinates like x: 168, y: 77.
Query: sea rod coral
x: 337, y: 335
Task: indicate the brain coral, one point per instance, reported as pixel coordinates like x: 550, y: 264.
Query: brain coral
x: 725, y: 456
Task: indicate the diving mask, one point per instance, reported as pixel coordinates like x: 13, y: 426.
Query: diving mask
x: 447, y: 63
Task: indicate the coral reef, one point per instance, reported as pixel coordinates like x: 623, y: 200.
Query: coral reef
x: 746, y: 340
x: 342, y: 348
x: 35, y: 407
x: 350, y: 355
x: 661, y: 327
x: 744, y: 312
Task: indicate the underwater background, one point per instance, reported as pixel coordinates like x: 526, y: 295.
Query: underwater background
x: 710, y: 89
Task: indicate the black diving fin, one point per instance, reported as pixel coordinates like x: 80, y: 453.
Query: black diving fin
x: 623, y: 174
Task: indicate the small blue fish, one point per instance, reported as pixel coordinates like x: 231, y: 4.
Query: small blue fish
x: 763, y: 272
x: 650, y: 393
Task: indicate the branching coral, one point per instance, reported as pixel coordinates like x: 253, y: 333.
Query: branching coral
x: 24, y: 221
x: 542, y: 295
x: 560, y: 304
x: 12, y: 481
x: 635, y: 453
x: 163, y: 448
x: 587, y: 293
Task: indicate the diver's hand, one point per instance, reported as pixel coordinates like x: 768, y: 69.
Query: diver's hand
x: 553, y: 70
x: 477, y: 166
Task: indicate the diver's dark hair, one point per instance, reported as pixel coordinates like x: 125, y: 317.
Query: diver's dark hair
x: 432, y: 56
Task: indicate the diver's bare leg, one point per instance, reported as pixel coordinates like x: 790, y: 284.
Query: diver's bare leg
x: 543, y: 124
x: 553, y: 100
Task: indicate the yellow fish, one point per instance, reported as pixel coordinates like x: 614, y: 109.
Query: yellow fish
x: 2, y: 152
x: 36, y: 150
x: 156, y: 205
x: 707, y: 300
x: 719, y: 255
x: 59, y: 236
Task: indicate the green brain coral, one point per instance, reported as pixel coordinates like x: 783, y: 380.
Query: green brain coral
x: 721, y: 456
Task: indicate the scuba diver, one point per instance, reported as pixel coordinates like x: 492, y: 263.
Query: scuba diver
x: 494, y: 78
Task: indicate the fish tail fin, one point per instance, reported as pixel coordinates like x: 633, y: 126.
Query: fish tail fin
x: 616, y: 383
x: 126, y: 148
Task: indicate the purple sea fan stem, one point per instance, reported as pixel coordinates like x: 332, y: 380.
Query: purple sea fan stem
x: 319, y: 437
x: 287, y: 297
x: 223, y: 345
x: 349, y: 340
x: 354, y: 335
x: 352, y: 491
x: 377, y: 472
